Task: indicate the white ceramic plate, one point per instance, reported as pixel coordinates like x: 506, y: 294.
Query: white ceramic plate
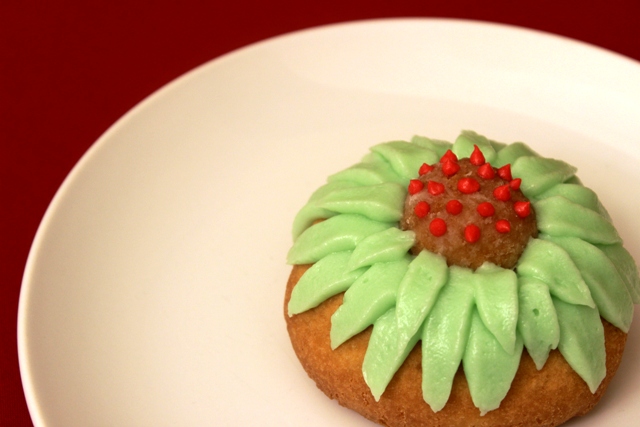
x: 153, y: 291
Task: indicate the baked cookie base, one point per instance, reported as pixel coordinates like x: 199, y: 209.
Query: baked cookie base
x: 548, y: 397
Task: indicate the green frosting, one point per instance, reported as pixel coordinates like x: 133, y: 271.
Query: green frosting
x: 574, y: 273
x: 464, y: 144
x: 537, y: 319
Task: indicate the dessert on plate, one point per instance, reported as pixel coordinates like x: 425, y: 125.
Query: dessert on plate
x: 472, y: 283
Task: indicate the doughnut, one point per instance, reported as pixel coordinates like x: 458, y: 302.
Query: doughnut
x: 472, y: 283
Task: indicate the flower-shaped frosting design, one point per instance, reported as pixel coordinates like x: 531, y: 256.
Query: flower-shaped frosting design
x: 573, y: 273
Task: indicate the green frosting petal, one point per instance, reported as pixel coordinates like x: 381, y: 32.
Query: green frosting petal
x: 444, y: 337
x: 578, y: 194
x: 311, y: 212
x: 380, y: 202
x: 370, y: 296
x: 626, y: 266
x: 488, y: 368
x: 437, y: 146
x: 496, y: 291
x: 373, y: 170
x: 607, y: 287
x: 537, y: 319
x: 405, y: 158
x: 463, y: 147
x: 557, y: 216
x: 339, y: 233
x: 512, y: 152
x: 382, y: 359
x: 540, y: 174
x: 324, y: 279
x: 418, y: 291
x: 387, y: 245
x: 552, y: 265
x: 582, y: 341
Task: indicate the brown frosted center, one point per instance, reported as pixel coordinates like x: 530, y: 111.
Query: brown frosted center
x: 474, y: 214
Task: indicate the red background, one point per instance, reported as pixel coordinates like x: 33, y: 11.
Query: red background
x: 69, y: 69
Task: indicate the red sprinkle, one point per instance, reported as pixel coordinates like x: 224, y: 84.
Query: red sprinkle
x: 450, y: 168
x: 415, y: 186
x: 425, y: 169
x: 435, y: 188
x: 486, y: 209
x: 502, y: 193
x: 421, y: 209
x: 468, y: 185
x: 472, y: 233
x: 449, y: 156
x: 515, y: 184
x: 505, y: 172
x: 438, y: 227
x: 477, y: 158
x: 486, y: 171
x: 523, y: 209
x: 454, y: 207
x: 503, y: 226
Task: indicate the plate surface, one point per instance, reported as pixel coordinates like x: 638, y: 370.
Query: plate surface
x: 153, y: 291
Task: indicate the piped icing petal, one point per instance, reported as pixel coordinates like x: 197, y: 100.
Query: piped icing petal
x: 418, y: 291
x: 488, y: 368
x: 444, y: 337
x: 382, y: 359
x: 607, y: 287
x: 380, y: 202
x: 578, y: 194
x: 539, y: 174
x: 311, y: 212
x: 436, y: 145
x: 387, y: 245
x: 549, y: 263
x: 372, y: 170
x: 626, y: 266
x: 338, y: 233
x: 463, y: 146
x: 582, y: 341
x: 537, y: 319
x: 558, y: 216
x: 405, y: 158
x: 512, y: 152
x: 324, y: 279
x: 496, y: 292
x: 370, y: 296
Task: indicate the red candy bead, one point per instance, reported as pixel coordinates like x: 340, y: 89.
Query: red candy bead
x: 449, y: 156
x: 503, y: 226
x: 435, y: 188
x: 486, y: 209
x: 505, y: 172
x: 523, y: 209
x: 502, y: 193
x: 425, y: 169
x: 415, y: 186
x: 468, y: 185
x: 476, y: 158
x: 421, y: 209
x: 450, y: 168
x: 515, y: 184
x: 438, y: 227
x: 454, y: 207
x: 486, y: 171
x: 472, y: 233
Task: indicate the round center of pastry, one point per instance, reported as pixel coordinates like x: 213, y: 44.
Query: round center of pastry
x: 469, y: 212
